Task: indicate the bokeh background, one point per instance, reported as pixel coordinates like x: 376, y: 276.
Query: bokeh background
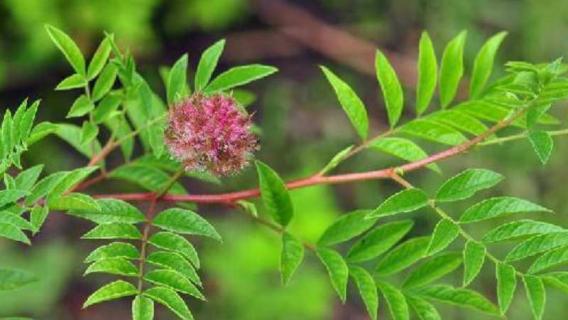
x: 302, y: 127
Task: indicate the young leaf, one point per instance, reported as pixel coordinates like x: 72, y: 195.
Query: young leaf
x: 291, y: 256
x: 337, y: 269
x: 538, y: 244
x: 550, y: 259
x: 350, y: 102
x: 427, y: 73
x: 171, y: 300
x: 542, y: 144
x: 423, y: 309
x: 111, y: 291
x: 69, y: 49
x: 274, y: 194
x: 116, y: 266
x: 367, y: 290
x: 499, y: 206
x: 398, y: 307
x: 483, y: 64
x: 403, y: 149
x: 173, y: 280
x: 444, y: 234
x: 104, y: 82
x: 506, y: 285
x: 336, y: 160
x: 390, y: 86
x: 238, y: 76
x: 379, y: 240
x: 433, y: 270
x: 451, y: 69
x: 466, y: 184
x: 404, y: 201
x: 142, y: 308
x: 80, y: 107
x: 207, y: 64
x: 12, y: 232
x: 11, y: 279
x: 113, y: 250
x: 460, y: 297
x: 74, y: 81
x: 113, y: 231
x: 99, y: 59
x: 518, y: 229
x: 536, y: 295
x: 473, y: 259
x: 176, y: 243
x: 346, y: 227
x: 403, y: 256
x: 186, y: 222
x: 177, y: 80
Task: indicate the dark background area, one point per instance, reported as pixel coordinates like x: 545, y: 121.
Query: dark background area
x: 302, y: 127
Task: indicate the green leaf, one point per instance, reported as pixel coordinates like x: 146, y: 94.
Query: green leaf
x: 427, y: 73
x: 69, y: 49
x: 403, y: 256
x: 558, y: 280
x: 106, y: 108
x: 274, y: 194
x: 549, y: 259
x: 37, y: 217
x: 433, y: 270
x: 9, y: 231
x: 367, y: 290
x: 542, y: 144
x: 483, y: 64
x: 390, y: 86
x: 111, y: 211
x: 433, y: 131
x: 99, y: 59
x: 171, y: 300
x: 445, y: 232
x: 518, y: 229
x: 80, y: 107
x: 346, y: 227
x: 11, y: 279
x: 104, y: 82
x: 176, y: 243
x: 176, y: 262
x: 460, y: 121
x: 111, y: 291
x: 71, y: 179
x: 336, y: 160
x: 538, y: 244
x: 73, y: 81
x: 506, y: 285
x: 27, y: 178
x: 207, y: 64
x: 149, y: 178
x: 142, y: 308
x: 451, y: 69
x: 185, y: 222
x: 466, y: 184
x: 423, y: 309
x: 398, y: 307
x: 44, y: 186
x: 173, y: 280
x: 113, y: 231
x: 379, y: 240
x: 74, y: 201
x: 404, y: 201
x: 403, y: 149
x: 499, y: 206
x: 459, y: 297
x: 113, y: 250
x: 291, y: 256
x: 11, y: 196
x: 238, y: 76
x: 350, y: 102
x: 536, y: 295
x: 116, y: 266
x: 40, y: 131
x: 337, y: 269
x: 8, y: 217
x: 473, y: 259
x: 177, y: 80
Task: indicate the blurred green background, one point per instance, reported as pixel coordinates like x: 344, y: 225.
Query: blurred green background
x: 302, y: 127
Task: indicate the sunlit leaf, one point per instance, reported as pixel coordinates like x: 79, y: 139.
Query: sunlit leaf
x: 391, y: 88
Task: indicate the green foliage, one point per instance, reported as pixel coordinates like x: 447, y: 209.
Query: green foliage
x: 390, y: 86
x: 451, y: 69
x: 274, y: 194
x: 427, y: 73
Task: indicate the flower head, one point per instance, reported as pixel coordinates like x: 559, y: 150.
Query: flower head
x: 210, y: 133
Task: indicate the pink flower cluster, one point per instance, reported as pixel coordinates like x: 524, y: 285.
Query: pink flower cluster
x: 210, y: 133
